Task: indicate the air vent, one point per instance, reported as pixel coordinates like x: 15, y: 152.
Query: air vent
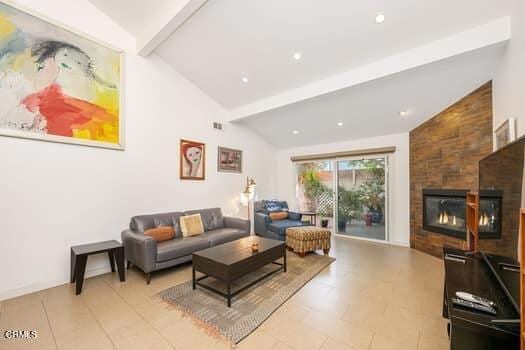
x: 217, y: 126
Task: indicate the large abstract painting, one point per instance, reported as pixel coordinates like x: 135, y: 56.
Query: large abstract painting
x: 57, y: 85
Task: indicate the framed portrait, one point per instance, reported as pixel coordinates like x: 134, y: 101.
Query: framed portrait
x: 192, y: 160
x: 57, y: 84
x: 229, y: 160
x: 505, y: 133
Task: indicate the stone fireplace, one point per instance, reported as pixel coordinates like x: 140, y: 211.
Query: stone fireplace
x: 444, y: 154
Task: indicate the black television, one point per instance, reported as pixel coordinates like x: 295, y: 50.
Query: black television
x: 501, y: 195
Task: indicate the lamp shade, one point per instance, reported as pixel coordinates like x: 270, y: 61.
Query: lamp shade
x: 251, y: 183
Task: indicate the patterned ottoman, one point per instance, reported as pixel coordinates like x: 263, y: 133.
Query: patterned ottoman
x: 307, y: 239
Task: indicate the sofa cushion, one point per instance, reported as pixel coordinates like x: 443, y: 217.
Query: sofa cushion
x: 179, y: 247
x: 273, y: 207
x: 294, y: 216
x: 279, y: 227
x: 142, y: 223
x: 161, y: 233
x: 211, y: 218
x: 224, y: 235
x: 278, y: 215
x: 191, y: 225
x: 267, y: 206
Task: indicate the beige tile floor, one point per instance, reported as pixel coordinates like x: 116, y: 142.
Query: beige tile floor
x: 373, y: 297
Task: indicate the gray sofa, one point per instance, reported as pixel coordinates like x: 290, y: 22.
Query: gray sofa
x: 145, y: 253
x: 275, y: 229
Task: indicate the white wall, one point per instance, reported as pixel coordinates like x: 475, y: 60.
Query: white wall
x: 399, y: 211
x: 509, y: 82
x: 53, y: 195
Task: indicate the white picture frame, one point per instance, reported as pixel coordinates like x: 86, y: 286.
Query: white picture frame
x: 505, y: 133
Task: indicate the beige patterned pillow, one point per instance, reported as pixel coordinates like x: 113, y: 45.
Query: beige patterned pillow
x: 191, y: 225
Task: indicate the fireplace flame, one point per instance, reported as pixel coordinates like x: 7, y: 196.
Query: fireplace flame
x: 484, y: 220
x: 443, y: 218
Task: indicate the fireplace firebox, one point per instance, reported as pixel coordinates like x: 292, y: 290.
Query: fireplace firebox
x: 444, y: 212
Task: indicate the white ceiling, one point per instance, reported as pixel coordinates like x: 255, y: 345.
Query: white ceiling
x: 230, y: 39
x: 352, y: 70
x: 135, y: 18
x: 372, y: 109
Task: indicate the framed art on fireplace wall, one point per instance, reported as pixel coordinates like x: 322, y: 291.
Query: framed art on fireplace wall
x: 505, y: 133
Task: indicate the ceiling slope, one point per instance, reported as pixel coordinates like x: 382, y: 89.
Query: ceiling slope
x: 150, y: 23
x: 227, y: 40
x: 492, y: 33
x: 372, y: 108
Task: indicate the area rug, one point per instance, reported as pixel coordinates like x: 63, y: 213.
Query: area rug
x: 251, y: 307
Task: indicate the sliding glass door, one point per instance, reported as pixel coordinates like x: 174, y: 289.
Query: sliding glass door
x: 348, y: 195
x: 361, y: 197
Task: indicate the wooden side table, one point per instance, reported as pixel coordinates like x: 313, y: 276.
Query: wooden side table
x: 80, y: 253
x: 312, y: 216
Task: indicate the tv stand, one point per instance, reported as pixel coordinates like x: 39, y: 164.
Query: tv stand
x: 491, y: 277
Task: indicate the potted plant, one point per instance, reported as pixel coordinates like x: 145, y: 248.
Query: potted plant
x: 368, y: 219
x: 350, y: 207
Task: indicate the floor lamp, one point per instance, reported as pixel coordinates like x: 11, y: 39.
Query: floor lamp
x: 247, y: 196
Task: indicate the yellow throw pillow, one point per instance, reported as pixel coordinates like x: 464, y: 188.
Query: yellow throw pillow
x: 161, y: 233
x: 191, y: 225
x: 279, y: 215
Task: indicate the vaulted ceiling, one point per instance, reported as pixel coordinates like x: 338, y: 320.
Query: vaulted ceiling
x: 425, y: 55
x: 373, y: 108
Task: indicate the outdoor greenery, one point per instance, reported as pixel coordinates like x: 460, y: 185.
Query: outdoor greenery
x: 312, y: 185
x: 373, y: 191
x: 352, y: 202
x: 317, y: 192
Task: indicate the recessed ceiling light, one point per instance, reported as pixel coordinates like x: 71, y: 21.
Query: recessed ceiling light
x: 297, y: 55
x: 295, y: 132
x: 403, y: 113
x: 244, y: 80
x: 340, y: 124
x: 380, y: 18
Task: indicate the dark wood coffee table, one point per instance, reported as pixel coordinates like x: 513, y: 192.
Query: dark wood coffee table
x: 230, y: 261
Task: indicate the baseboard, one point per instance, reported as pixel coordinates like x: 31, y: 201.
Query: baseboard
x: 35, y: 287
x: 400, y: 244
x: 396, y: 243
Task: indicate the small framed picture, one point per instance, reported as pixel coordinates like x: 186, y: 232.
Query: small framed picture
x: 505, y: 133
x: 192, y: 160
x: 229, y: 160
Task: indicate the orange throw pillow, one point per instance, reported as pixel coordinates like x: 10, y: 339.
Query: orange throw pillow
x: 279, y: 215
x: 161, y: 234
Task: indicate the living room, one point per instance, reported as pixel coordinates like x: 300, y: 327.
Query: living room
x: 261, y: 175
